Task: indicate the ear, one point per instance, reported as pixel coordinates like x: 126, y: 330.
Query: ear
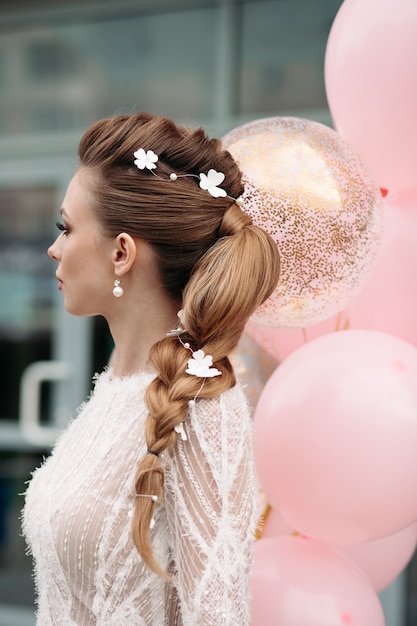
x: 124, y: 253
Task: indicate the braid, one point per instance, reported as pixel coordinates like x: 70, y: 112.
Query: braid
x: 215, y: 317
x: 211, y: 258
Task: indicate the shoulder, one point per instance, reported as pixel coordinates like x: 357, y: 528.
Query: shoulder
x: 230, y: 401
x: 223, y: 417
x: 235, y: 398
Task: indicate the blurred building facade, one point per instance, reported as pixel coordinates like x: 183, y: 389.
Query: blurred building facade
x: 218, y: 63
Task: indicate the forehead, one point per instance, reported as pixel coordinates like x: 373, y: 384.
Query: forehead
x: 77, y: 200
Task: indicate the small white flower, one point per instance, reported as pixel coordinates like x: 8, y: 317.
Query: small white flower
x: 145, y: 159
x: 210, y: 181
x: 176, y: 332
x: 181, y: 431
x: 200, y: 365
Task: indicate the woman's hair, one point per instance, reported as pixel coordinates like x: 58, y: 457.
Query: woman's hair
x: 211, y: 259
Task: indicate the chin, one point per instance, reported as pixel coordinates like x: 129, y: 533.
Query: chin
x: 77, y: 310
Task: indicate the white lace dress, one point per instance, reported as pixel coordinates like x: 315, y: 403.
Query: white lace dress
x: 78, y: 506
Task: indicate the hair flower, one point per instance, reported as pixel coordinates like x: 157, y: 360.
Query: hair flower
x: 176, y: 332
x: 145, y: 159
x: 181, y: 431
x: 200, y: 365
x: 209, y: 183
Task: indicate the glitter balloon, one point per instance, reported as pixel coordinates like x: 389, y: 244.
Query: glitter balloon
x: 254, y: 366
x: 306, y: 186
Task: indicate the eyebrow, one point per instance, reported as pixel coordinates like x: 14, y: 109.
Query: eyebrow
x: 63, y: 212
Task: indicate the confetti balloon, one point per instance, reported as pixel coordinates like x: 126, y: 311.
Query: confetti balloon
x: 254, y: 366
x: 306, y: 186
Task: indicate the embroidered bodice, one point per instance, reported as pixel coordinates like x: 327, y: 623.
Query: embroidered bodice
x: 79, y: 502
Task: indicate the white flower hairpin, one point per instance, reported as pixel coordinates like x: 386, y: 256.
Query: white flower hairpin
x: 180, y: 430
x: 145, y: 160
x: 209, y: 182
x: 200, y: 365
x: 176, y: 332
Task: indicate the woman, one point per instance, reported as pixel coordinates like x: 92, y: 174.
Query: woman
x: 144, y: 513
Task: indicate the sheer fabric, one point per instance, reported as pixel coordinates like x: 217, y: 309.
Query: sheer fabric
x: 79, y: 503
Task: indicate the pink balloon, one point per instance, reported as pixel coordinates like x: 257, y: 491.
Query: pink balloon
x: 388, y: 301
x: 298, y: 582
x: 383, y: 559
x: 336, y: 437
x: 370, y: 77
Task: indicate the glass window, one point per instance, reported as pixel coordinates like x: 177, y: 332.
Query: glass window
x: 412, y: 593
x: 2, y: 71
x: 26, y: 285
x: 51, y: 60
x: 67, y: 75
x: 282, y: 54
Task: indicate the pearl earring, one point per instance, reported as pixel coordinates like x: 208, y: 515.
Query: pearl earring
x: 118, y: 290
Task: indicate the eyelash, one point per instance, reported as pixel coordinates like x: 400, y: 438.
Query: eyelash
x: 61, y: 227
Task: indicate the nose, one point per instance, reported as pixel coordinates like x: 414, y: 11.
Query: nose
x: 54, y: 251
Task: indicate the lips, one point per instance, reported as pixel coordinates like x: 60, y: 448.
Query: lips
x: 60, y: 283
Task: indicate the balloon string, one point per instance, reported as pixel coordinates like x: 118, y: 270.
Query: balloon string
x: 262, y: 521
x: 339, y: 325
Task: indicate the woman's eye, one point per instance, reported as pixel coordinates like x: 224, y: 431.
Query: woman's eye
x: 61, y: 227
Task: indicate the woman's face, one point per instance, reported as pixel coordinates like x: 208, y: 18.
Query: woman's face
x: 85, y: 271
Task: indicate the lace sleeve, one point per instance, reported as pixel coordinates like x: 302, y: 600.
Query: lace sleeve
x: 210, y: 503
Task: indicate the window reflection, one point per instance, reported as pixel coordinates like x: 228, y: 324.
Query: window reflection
x: 282, y: 54
x: 26, y: 286
x: 25, y: 270
x: 66, y: 76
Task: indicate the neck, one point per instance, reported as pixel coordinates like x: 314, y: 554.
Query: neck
x: 134, y: 332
